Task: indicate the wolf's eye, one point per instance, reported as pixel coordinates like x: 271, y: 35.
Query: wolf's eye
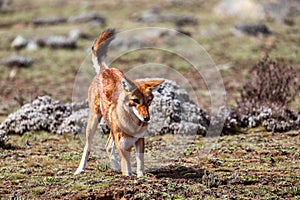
x: 137, y: 101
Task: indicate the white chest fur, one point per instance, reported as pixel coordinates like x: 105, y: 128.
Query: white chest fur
x: 128, y: 122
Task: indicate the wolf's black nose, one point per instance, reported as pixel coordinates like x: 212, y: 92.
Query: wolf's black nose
x: 146, y: 119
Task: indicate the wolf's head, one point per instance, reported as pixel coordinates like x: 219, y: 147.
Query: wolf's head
x: 138, y: 96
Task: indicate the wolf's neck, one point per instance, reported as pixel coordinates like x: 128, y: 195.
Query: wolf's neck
x: 127, y: 121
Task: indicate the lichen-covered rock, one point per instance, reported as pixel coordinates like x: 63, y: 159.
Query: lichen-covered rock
x: 19, y: 42
x: 155, y: 15
x: 171, y: 112
x: 244, y: 9
x: 3, y: 137
x: 43, y: 113
x: 57, y: 41
x: 18, y: 61
x: 91, y: 17
x: 254, y: 29
x: 45, y: 21
x: 272, y: 117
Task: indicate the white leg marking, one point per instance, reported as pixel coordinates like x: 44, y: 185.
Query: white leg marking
x: 125, y: 163
x: 139, y: 147
x: 90, y: 131
x: 140, y: 171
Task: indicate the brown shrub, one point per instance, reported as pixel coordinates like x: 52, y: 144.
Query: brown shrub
x: 265, y: 98
x: 270, y: 83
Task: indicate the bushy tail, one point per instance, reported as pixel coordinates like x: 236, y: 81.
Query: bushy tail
x: 100, y: 46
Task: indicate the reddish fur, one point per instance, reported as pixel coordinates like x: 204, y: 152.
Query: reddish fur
x: 101, y: 91
x: 104, y: 36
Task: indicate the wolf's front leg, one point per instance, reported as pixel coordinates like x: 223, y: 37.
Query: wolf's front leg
x: 139, y: 147
x: 124, y: 143
x: 125, y: 162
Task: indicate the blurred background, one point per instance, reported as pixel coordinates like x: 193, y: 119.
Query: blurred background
x: 43, y: 43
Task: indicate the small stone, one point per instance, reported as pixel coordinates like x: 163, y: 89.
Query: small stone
x: 49, y: 21
x: 18, y: 61
x: 88, y: 17
x: 57, y: 41
x: 74, y: 34
x: 243, y: 9
x: 3, y: 136
x: 253, y: 29
x: 19, y: 42
x: 32, y: 46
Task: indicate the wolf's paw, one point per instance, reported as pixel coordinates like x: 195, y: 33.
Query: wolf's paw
x: 115, y: 165
x: 78, y: 171
x: 140, y: 174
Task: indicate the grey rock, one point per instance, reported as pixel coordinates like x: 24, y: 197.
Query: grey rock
x: 74, y: 34
x: 32, y: 45
x: 254, y: 29
x: 155, y: 15
x: 173, y: 112
x: 43, y: 113
x: 243, y: 9
x: 18, y: 61
x: 92, y: 17
x: 3, y: 137
x: 273, y: 118
x: 57, y: 41
x: 145, y: 38
x: 5, y: 5
x: 19, y: 42
x: 257, y: 10
x: 179, y: 20
x: 281, y: 9
x: 45, y: 21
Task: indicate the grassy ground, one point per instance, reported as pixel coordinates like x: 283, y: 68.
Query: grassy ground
x: 257, y: 165
x: 254, y: 165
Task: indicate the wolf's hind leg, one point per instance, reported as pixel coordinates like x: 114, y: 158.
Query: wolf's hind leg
x: 111, y: 152
x: 90, y: 131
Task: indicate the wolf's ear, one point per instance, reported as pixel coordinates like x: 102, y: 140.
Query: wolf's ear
x: 128, y: 85
x: 151, y: 84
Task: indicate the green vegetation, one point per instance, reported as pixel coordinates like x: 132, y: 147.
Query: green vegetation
x: 254, y: 165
